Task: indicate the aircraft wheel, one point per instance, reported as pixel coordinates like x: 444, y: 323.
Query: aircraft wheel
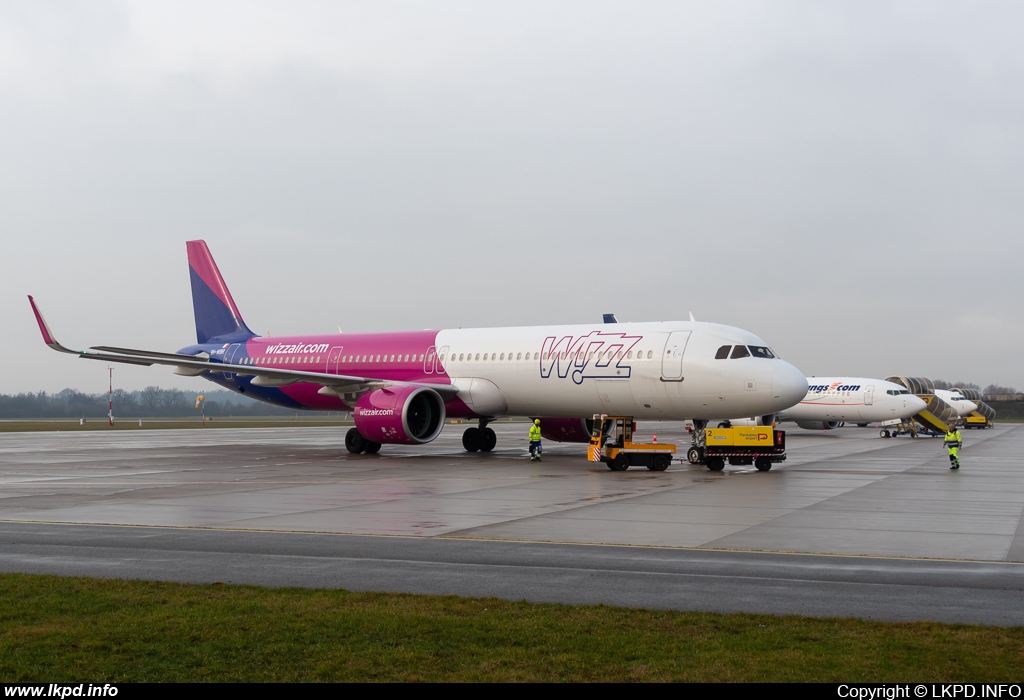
x: 472, y: 440
x: 694, y: 456
x: 354, y: 441
x: 620, y: 463
x: 660, y: 463
x: 725, y: 424
x: 715, y: 464
x: 488, y: 440
x: 372, y: 447
x: 763, y: 464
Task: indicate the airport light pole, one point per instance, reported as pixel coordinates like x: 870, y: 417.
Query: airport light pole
x: 110, y: 397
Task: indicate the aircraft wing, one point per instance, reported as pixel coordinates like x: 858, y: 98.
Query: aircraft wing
x: 195, y: 365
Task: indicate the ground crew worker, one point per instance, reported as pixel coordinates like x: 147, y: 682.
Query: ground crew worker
x: 953, y: 443
x: 535, y: 441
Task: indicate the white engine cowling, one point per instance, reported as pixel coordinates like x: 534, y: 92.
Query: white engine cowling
x: 767, y: 419
x: 819, y: 424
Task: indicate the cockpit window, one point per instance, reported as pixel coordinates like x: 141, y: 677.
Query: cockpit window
x: 740, y: 351
x: 723, y: 352
x: 758, y: 351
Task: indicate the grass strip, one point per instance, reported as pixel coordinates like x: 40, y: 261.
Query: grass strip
x: 100, y: 425
x: 56, y: 629
x: 28, y: 425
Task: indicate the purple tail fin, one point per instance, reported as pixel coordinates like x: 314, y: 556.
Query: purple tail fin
x: 217, y: 317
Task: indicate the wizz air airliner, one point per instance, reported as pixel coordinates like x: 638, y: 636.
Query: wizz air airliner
x: 400, y: 387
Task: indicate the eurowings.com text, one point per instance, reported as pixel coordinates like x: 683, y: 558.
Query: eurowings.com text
x: 61, y: 690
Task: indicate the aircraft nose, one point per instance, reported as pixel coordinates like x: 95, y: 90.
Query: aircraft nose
x: 789, y: 386
x: 916, y: 403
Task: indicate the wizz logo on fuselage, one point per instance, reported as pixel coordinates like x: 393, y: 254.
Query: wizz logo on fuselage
x: 597, y: 355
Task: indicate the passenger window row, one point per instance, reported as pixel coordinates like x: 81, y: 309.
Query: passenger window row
x: 519, y: 356
x: 345, y: 359
x: 281, y: 360
x: 462, y: 357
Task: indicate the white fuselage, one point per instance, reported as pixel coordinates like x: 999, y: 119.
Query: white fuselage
x: 962, y: 406
x: 853, y: 399
x: 660, y: 371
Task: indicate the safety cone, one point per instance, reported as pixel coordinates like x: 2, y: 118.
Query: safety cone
x: 655, y: 438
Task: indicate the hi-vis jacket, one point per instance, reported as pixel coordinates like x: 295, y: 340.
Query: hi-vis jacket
x: 953, y: 439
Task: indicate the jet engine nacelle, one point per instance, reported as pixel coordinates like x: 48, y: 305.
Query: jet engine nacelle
x: 406, y: 415
x: 568, y: 429
x: 819, y: 424
x: 768, y: 419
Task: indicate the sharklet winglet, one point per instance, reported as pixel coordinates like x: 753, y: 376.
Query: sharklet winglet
x: 48, y: 337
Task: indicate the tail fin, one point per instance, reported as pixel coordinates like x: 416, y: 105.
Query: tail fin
x: 217, y: 317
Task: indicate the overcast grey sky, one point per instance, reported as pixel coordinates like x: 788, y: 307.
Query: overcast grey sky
x: 845, y: 179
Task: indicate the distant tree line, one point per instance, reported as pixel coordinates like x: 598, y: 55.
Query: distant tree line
x: 943, y: 384
x: 990, y: 389
x: 151, y: 402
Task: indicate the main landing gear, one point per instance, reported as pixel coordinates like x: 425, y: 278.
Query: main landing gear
x: 356, y: 443
x: 480, y: 439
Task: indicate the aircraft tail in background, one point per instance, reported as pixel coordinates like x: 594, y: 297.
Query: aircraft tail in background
x: 217, y: 317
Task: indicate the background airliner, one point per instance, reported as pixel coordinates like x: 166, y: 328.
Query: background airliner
x: 961, y: 405
x: 400, y: 387
x: 830, y: 401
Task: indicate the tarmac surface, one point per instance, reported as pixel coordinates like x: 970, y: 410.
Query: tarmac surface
x: 850, y: 525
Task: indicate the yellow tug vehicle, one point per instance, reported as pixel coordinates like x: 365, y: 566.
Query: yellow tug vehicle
x: 611, y: 442
x: 760, y: 445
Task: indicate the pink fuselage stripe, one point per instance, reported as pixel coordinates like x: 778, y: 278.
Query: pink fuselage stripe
x: 359, y: 355
x: 200, y: 260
